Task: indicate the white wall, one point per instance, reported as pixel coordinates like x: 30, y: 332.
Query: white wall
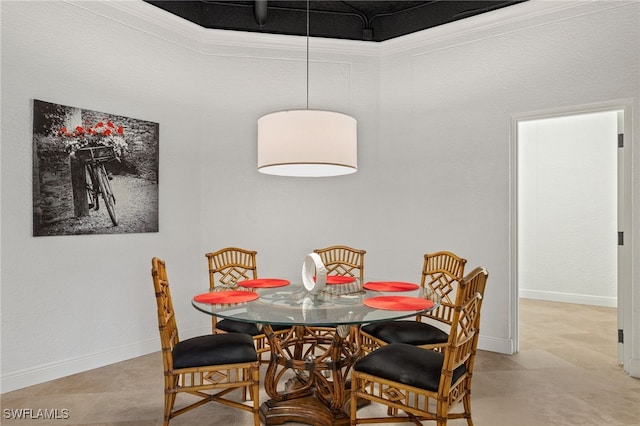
x: 71, y: 303
x: 433, y: 112
x: 567, y: 204
x: 283, y: 218
x: 76, y: 302
x: 464, y: 90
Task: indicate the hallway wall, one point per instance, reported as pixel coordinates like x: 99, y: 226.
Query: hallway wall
x: 568, y: 208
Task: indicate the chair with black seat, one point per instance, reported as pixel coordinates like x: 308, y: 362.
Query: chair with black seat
x: 343, y: 261
x: 206, y: 367
x: 227, y: 267
x: 440, y: 272
x: 419, y: 384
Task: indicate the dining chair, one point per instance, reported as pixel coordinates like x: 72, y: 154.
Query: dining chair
x: 343, y: 260
x: 227, y: 267
x: 418, y: 384
x: 440, y: 272
x: 207, y: 367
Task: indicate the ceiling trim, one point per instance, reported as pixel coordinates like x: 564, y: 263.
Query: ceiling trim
x: 494, y: 22
x: 153, y: 20
x: 160, y: 21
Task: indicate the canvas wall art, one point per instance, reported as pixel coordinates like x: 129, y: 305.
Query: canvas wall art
x: 93, y: 172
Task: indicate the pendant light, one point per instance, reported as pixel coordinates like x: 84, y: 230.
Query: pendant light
x: 307, y: 142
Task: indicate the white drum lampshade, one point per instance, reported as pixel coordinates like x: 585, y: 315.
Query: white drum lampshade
x: 308, y: 143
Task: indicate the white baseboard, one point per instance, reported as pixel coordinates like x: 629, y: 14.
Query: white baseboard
x: 632, y: 367
x: 493, y: 344
x: 579, y: 299
x: 43, y: 373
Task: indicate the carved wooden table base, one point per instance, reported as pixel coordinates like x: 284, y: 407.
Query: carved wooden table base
x: 307, y: 377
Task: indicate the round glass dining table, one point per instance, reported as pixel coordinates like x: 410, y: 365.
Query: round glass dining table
x: 310, y: 362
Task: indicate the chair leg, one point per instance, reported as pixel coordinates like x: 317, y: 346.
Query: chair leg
x: 353, y: 404
x: 170, y: 384
x: 169, y: 399
x: 255, y: 395
x: 466, y: 401
x: 442, y: 412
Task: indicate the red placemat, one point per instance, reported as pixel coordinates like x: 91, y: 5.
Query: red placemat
x: 221, y: 297
x: 264, y: 283
x: 398, y: 303
x: 338, y: 279
x: 390, y: 286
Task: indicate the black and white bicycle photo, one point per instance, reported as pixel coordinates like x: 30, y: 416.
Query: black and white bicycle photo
x: 93, y: 172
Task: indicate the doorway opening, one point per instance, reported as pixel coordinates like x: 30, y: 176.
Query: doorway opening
x: 568, y: 214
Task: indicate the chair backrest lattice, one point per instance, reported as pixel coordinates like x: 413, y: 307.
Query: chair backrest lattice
x: 166, y: 315
x: 230, y: 265
x: 444, y: 261
x: 342, y: 260
x: 439, y: 273
x: 465, y: 329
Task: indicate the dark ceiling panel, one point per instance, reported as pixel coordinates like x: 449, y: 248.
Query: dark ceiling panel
x: 354, y: 20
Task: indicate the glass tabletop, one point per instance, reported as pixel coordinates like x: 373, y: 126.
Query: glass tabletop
x: 335, y: 305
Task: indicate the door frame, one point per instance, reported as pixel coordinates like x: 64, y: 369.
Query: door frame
x: 624, y: 274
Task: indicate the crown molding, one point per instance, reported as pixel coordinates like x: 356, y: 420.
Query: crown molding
x: 152, y: 20
x: 517, y: 17
x: 155, y: 21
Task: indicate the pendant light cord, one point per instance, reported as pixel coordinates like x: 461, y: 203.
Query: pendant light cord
x: 307, y: 54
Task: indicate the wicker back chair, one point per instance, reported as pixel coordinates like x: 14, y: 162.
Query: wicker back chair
x: 227, y: 267
x: 422, y: 383
x: 440, y: 272
x: 206, y: 367
x: 343, y: 261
